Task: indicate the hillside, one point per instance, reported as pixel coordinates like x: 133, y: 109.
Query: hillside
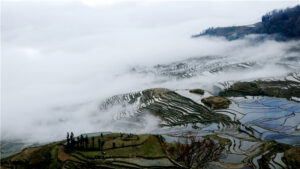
x: 283, y: 24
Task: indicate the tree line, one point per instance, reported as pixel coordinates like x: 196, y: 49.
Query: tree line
x: 83, y: 143
x: 285, y: 22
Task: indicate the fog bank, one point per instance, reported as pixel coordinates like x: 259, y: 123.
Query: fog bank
x: 60, y: 60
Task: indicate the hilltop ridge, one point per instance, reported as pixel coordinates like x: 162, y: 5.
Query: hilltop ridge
x: 282, y: 24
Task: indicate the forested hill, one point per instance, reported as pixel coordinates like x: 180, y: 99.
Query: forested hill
x: 284, y: 24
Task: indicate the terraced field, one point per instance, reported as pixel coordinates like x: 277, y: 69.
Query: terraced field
x: 254, y: 131
x: 173, y: 108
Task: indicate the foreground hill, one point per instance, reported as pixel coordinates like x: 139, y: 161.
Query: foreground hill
x: 118, y: 150
x: 284, y: 24
x: 121, y: 150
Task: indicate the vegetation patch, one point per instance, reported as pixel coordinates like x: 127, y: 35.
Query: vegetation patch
x: 216, y: 102
x: 197, y: 91
x: 292, y: 156
x: 282, y: 89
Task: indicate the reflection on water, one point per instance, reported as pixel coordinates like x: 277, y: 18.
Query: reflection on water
x: 271, y: 118
x: 263, y: 120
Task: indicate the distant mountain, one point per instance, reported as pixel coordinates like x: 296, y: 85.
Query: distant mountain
x: 283, y: 24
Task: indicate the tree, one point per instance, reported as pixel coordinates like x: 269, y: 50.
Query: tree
x: 93, y: 142
x: 68, y: 139
x: 72, y: 141
x: 193, y: 152
x: 102, y: 145
x: 86, y: 141
x: 99, y: 143
x: 77, y: 142
x: 81, y: 141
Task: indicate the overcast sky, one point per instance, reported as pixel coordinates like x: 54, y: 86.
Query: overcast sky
x: 64, y: 52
